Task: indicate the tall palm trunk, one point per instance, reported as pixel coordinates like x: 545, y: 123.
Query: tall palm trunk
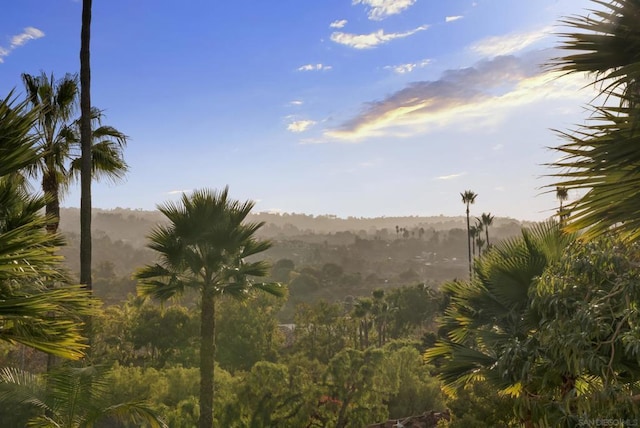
x: 207, y: 357
x: 469, y: 240
x: 85, y: 142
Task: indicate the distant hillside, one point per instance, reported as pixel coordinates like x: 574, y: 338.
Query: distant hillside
x: 320, y: 257
x: 132, y: 226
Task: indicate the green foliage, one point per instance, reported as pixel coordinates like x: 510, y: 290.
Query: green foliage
x: 321, y: 330
x: 552, y: 324
x: 357, y: 387
x: 71, y: 398
x: 589, y: 332
x: 417, y: 391
x: 600, y: 159
x: 179, y: 329
x: 479, y: 405
x: 247, y: 332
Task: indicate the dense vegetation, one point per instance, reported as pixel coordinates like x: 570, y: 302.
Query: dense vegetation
x: 357, y: 323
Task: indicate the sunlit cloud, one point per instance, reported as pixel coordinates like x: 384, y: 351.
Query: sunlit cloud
x: 314, y: 67
x: 380, y: 9
x: 29, y: 33
x: 371, y: 40
x: 472, y: 98
x: 408, y: 68
x: 300, y: 125
x: 296, y: 102
x: 177, y: 192
x: 453, y: 18
x: 510, y: 43
x: 338, y: 24
x: 451, y: 176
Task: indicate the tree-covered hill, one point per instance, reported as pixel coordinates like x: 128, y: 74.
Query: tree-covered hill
x: 318, y: 256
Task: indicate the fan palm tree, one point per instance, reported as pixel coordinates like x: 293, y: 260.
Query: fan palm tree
x: 600, y: 158
x: 29, y: 313
x: 58, y: 140
x: 487, y: 220
x: 489, y: 319
x: 204, y: 248
x: 468, y: 198
x: 70, y: 398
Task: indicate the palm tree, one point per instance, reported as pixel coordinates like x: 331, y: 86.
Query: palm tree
x: 561, y: 195
x: 58, y: 140
x: 31, y: 314
x: 480, y: 243
x: 86, y: 142
x: 489, y: 319
x: 362, y: 310
x: 600, y: 158
x: 487, y: 220
x: 204, y: 248
x: 71, y: 398
x: 468, y: 198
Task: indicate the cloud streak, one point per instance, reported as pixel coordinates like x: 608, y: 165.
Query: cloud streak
x: 408, y: 68
x: 453, y: 18
x: 29, y: 33
x: 474, y: 96
x: 451, y: 176
x: 371, y: 40
x: 314, y: 67
x: 300, y: 125
x: 338, y: 24
x: 510, y: 43
x: 380, y: 9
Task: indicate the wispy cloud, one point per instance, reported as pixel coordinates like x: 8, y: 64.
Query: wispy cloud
x: 296, y: 102
x: 338, y: 24
x: 371, y: 40
x: 177, y: 192
x: 314, y: 67
x: 408, y: 68
x: 510, y: 43
x: 380, y: 9
x: 29, y: 33
x: 451, y: 176
x: 473, y: 97
x: 300, y: 125
x: 453, y: 18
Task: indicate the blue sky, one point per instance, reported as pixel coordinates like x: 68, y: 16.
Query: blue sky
x: 349, y: 107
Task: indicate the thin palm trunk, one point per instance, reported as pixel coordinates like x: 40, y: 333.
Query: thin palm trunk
x: 50, y: 188
x: 469, y: 240
x: 207, y: 357
x: 85, y: 142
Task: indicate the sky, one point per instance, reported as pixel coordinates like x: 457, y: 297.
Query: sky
x: 360, y: 108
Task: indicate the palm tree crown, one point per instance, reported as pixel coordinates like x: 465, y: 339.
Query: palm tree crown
x: 486, y: 219
x: 58, y: 139
x: 601, y: 158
